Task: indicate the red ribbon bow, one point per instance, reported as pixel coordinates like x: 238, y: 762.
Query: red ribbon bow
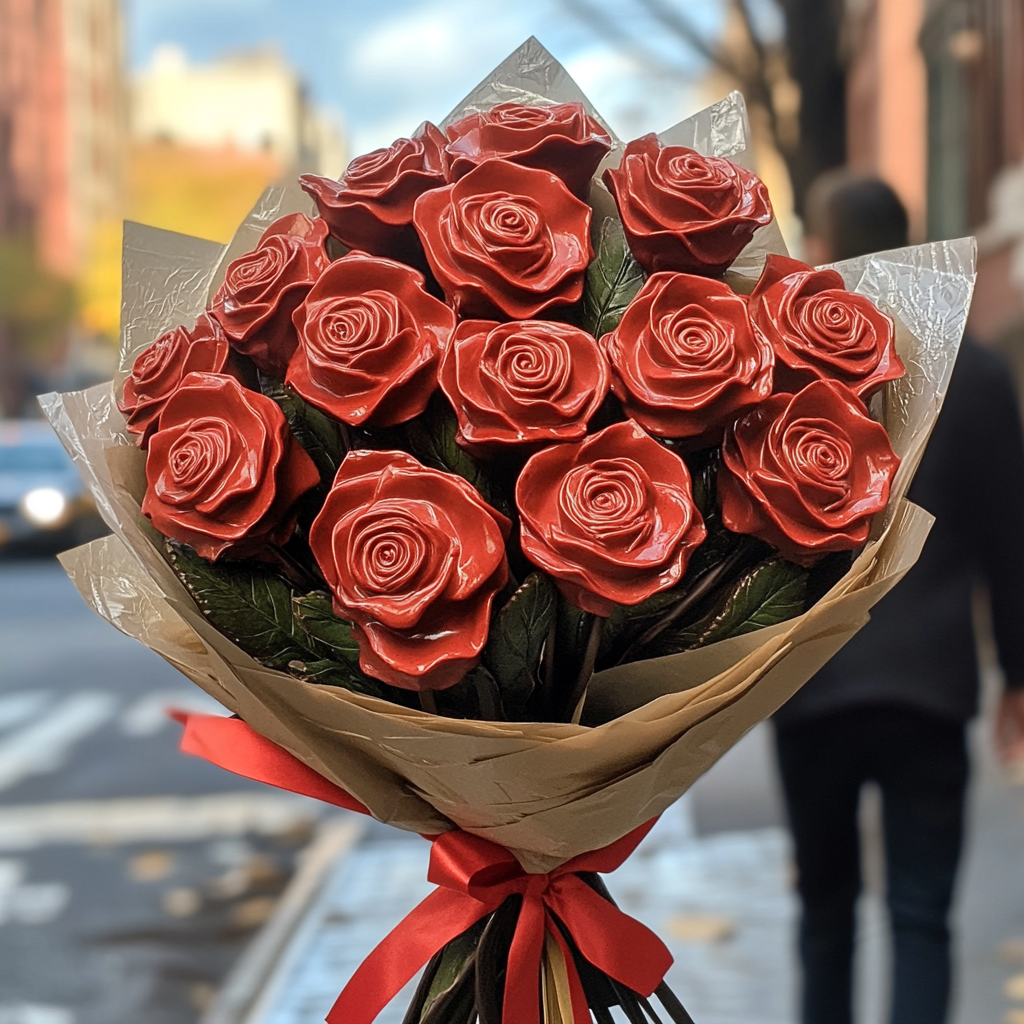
x: 474, y: 877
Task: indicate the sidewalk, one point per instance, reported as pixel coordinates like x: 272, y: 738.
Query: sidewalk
x: 722, y: 902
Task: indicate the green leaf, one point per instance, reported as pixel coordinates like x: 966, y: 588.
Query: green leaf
x: 431, y: 438
x: 315, y: 615
x: 317, y: 432
x: 456, y: 958
x: 254, y: 607
x: 773, y: 591
x: 613, y: 279
x: 628, y: 622
x: 251, y: 605
x: 517, y: 638
x: 770, y: 593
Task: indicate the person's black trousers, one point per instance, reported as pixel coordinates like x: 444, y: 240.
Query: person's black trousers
x: 920, y: 763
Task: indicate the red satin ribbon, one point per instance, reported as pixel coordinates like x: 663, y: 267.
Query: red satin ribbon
x: 474, y: 877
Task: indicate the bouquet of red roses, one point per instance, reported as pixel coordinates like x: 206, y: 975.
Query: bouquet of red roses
x: 520, y: 427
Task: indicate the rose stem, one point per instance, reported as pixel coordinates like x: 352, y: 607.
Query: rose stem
x: 295, y: 573
x: 688, y: 600
x: 666, y: 996
x: 673, y: 1007
x: 586, y: 669
x: 549, y: 662
x: 346, y: 436
x: 415, y: 1010
x: 490, y: 704
x: 427, y: 702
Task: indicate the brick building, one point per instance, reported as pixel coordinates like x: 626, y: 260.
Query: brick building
x: 62, y: 124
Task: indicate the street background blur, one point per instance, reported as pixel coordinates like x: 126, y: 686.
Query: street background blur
x: 131, y: 878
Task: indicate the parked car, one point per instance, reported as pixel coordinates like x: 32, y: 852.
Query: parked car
x: 42, y: 498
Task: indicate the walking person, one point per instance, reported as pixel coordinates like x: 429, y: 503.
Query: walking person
x: 893, y: 705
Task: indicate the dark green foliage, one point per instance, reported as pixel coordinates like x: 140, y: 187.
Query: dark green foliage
x: 613, y: 279
x: 255, y: 608
x: 319, y: 434
x: 773, y: 591
x: 516, y: 641
x: 431, y: 438
x: 628, y: 622
x: 315, y: 615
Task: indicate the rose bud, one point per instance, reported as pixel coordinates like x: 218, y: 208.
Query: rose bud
x: 821, y: 331
x: 524, y: 383
x: 370, y: 208
x: 369, y: 340
x: 159, y: 369
x: 561, y: 138
x: 223, y: 471
x: 505, y: 241
x: 262, y: 288
x: 686, y: 358
x: 413, y: 558
x: 683, y: 211
x: 611, y: 518
x: 806, y: 472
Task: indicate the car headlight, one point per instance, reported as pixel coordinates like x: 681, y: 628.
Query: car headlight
x: 44, y: 506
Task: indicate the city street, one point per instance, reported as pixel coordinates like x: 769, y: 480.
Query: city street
x: 130, y: 876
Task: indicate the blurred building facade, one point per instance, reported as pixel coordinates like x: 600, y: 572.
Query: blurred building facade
x: 252, y: 102
x: 935, y: 105
x: 62, y: 124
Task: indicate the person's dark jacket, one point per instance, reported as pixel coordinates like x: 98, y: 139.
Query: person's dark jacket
x: 918, y: 648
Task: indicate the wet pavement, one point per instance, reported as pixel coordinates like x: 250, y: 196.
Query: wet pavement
x: 131, y: 877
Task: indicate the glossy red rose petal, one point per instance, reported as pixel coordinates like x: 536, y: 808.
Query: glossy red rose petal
x: 262, y: 288
x: 522, y: 384
x: 369, y: 340
x: 505, y: 241
x: 223, y: 470
x: 413, y: 557
x: 561, y: 138
x: 160, y: 368
x: 806, y: 472
x: 611, y: 518
x: 370, y: 208
x: 821, y: 331
x: 685, y: 212
x: 686, y: 359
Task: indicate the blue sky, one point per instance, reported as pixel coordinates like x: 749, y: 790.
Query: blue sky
x: 384, y: 67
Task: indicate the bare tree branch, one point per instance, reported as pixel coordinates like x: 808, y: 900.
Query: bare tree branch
x: 603, y: 25
x: 681, y: 26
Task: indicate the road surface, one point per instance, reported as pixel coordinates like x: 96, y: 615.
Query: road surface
x: 130, y: 876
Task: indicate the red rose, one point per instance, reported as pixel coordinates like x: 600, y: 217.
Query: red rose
x: 562, y: 138
x: 159, y: 369
x: 522, y: 383
x: 611, y: 518
x: 371, y: 207
x: 262, y: 288
x: 224, y: 471
x: 413, y: 558
x: 683, y: 211
x: 686, y: 358
x: 806, y: 472
x: 505, y: 241
x: 369, y: 339
x: 820, y: 331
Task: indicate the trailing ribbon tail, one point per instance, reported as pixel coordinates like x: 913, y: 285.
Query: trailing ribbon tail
x: 474, y: 877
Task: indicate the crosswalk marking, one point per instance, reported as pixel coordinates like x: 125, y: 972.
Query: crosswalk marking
x: 24, y: 902
x: 153, y: 819
x: 44, y: 745
x: 34, y: 1013
x: 16, y: 708
x: 148, y: 715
